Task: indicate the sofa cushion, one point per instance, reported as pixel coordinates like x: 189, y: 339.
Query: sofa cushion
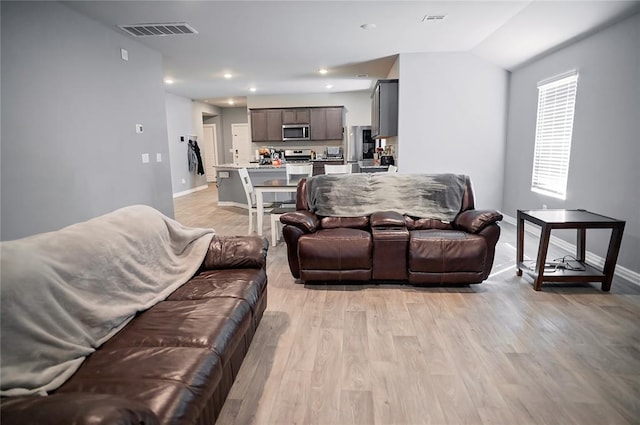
x: 426, y: 223
x: 215, y: 323
x: 335, y: 249
x: 243, y: 284
x: 174, y: 382
x: 76, y: 409
x: 350, y: 222
x: 446, y: 251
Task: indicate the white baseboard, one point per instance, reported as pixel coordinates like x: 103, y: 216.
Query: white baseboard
x: 590, y: 257
x: 233, y: 204
x: 186, y: 192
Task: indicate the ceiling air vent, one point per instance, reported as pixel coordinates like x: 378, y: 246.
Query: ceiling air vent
x: 158, y: 30
x: 433, y: 18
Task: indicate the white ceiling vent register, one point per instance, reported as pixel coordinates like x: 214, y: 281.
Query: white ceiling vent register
x: 158, y: 30
x: 433, y: 18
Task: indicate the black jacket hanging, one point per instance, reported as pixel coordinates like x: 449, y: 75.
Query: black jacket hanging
x: 194, y: 157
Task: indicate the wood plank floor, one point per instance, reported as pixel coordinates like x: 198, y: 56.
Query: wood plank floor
x: 494, y: 353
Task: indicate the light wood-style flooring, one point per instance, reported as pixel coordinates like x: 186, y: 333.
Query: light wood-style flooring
x: 495, y: 353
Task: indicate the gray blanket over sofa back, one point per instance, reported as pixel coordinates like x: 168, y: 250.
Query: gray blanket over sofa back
x: 437, y: 196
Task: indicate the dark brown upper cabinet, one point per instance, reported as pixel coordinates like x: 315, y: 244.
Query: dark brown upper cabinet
x: 296, y: 116
x: 326, y: 123
x: 266, y: 125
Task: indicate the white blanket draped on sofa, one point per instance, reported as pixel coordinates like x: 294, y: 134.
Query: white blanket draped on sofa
x: 64, y: 293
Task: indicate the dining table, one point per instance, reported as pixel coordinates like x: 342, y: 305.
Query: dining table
x: 271, y: 186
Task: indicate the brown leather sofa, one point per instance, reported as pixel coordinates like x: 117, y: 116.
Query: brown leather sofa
x: 388, y: 246
x: 173, y: 363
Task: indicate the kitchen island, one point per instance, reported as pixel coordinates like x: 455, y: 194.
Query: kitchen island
x: 231, y: 191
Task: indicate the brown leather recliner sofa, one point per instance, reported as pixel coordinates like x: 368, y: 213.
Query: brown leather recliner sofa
x: 390, y: 246
x: 173, y: 363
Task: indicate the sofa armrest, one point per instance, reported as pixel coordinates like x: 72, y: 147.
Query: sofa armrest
x: 473, y: 221
x: 304, y: 220
x: 387, y: 219
x: 236, y: 252
x: 75, y: 408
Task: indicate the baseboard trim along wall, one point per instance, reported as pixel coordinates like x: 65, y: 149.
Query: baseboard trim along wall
x: 186, y: 192
x: 591, y: 258
x: 233, y: 204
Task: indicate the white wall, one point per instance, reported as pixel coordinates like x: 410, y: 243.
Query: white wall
x: 604, y: 174
x: 69, y: 109
x: 452, y: 119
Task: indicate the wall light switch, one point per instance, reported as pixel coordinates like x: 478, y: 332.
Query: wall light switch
x: 145, y: 158
x: 139, y: 129
x: 158, y: 157
x: 124, y: 55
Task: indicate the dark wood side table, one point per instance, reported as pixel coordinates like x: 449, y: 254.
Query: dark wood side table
x: 569, y: 219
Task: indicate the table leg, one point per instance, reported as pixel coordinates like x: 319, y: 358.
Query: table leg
x: 545, y: 235
x: 612, y: 256
x: 260, y: 210
x: 581, y: 245
x: 519, y: 244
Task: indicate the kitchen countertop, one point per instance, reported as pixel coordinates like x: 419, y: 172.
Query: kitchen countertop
x: 248, y: 165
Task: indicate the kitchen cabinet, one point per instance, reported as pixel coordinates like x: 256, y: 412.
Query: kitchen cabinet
x: 266, y: 125
x: 295, y: 116
x: 326, y: 123
x: 384, y: 109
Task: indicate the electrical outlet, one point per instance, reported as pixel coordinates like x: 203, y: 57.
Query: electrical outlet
x: 158, y: 157
x: 183, y: 181
x: 544, y: 206
x: 145, y: 158
x: 139, y: 129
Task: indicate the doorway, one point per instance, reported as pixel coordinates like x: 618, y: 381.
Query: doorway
x: 241, y: 143
x: 210, y: 144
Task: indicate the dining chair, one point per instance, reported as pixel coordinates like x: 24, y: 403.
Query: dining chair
x: 251, y: 196
x: 337, y: 169
x: 392, y: 169
x: 276, y: 226
x: 298, y: 171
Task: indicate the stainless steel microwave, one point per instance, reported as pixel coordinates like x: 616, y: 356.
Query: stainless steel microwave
x: 295, y: 132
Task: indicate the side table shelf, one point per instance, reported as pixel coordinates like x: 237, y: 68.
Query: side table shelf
x: 580, y: 220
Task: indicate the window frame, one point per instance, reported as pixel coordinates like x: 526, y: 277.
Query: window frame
x: 554, y: 131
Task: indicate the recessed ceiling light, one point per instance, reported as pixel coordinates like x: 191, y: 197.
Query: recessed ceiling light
x: 323, y: 71
x: 230, y: 102
x: 329, y: 86
x: 227, y: 75
x: 252, y: 89
x: 362, y: 75
x: 168, y: 81
x: 368, y: 26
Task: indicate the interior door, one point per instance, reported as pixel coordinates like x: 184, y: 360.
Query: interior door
x: 210, y: 151
x: 241, y: 143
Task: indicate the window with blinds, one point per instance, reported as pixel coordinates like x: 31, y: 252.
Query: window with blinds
x: 554, y: 125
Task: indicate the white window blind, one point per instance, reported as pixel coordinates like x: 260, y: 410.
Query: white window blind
x: 554, y: 125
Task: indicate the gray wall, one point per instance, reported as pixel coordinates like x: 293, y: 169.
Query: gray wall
x: 69, y: 108
x: 604, y: 174
x: 185, y: 118
x: 230, y: 116
x: 452, y: 119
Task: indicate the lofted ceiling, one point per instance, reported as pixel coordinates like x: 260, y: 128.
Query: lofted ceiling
x: 278, y: 47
